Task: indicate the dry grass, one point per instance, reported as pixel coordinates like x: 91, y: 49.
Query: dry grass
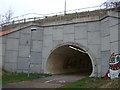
x: 111, y: 84
x: 94, y: 82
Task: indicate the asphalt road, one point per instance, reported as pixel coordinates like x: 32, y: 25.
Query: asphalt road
x: 54, y: 81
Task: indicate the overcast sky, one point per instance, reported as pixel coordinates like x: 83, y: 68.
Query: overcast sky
x: 21, y: 7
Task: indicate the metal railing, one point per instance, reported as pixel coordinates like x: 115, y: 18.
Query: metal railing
x: 25, y: 18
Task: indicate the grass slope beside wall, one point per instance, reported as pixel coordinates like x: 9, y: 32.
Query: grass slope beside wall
x: 94, y: 82
x: 10, y: 77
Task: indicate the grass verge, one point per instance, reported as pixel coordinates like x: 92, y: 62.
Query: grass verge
x: 94, y: 82
x: 0, y: 76
x: 10, y: 77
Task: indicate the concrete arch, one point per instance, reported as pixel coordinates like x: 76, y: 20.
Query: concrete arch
x: 82, y: 49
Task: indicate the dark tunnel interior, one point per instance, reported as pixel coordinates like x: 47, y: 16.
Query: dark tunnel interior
x: 69, y: 59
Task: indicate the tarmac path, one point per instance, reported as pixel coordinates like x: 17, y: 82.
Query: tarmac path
x: 54, y: 81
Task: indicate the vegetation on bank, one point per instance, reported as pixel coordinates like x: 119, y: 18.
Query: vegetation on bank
x: 11, y: 77
x: 94, y: 82
x: 88, y: 82
x: 0, y: 76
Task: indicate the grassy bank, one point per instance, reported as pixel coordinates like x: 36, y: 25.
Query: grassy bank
x: 10, y: 77
x: 0, y: 76
x: 94, y: 83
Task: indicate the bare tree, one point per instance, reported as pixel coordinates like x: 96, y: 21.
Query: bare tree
x: 112, y: 3
x: 8, y: 15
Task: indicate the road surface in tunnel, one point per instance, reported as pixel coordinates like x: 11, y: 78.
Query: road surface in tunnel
x: 69, y: 59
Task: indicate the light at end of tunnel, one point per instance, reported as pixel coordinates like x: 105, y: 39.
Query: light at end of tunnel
x: 77, y: 49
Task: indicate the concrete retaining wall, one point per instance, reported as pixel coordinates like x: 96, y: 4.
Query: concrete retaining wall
x: 98, y: 35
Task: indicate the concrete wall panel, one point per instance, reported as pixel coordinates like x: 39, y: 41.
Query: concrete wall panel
x: 46, y: 51
x: 47, y: 40
x: 11, y: 67
x: 12, y: 44
x: 3, y: 39
x: 36, y: 58
x: 1, y: 50
x: 118, y: 47
x: 93, y: 37
x: 81, y: 25
x: 37, y: 35
x: 68, y: 37
x: 114, y: 33
x: 82, y: 42
x: 23, y: 63
x: 11, y: 56
x: 113, y: 21
x: 48, y: 31
x: 96, y: 50
x: 105, y: 28
x: 105, y: 55
x: 68, y: 29
x: 25, y: 39
x: 0, y: 39
x: 1, y: 62
x: 93, y: 26
x: 105, y: 43
x: 24, y: 51
x: 26, y: 30
x: 99, y: 74
x: 37, y: 46
x: 80, y: 33
x: 35, y: 68
x: 14, y: 35
x: 57, y: 34
x: 114, y: 47
x: 55, y: 43
x: 104, y: 70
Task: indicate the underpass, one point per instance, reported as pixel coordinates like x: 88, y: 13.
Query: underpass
x: 69, y: 59
x: 73, y: 43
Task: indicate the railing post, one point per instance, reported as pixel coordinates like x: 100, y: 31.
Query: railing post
x: 34, y: 18
x: 24, y: 20
x: 12, y: 22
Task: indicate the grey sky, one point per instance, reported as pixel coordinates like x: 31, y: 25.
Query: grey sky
x: 21, y: 7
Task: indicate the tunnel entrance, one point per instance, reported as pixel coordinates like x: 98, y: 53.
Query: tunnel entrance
x: 69, y: 59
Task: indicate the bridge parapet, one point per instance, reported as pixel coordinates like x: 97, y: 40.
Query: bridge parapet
x: 70, y: 14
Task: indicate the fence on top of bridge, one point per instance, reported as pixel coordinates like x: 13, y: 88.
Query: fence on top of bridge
x: 77, y: 13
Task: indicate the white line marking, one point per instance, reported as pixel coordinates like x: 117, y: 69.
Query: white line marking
x: 50, y: 80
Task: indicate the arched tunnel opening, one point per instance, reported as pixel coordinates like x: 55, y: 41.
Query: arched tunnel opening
x: 69, y: 59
